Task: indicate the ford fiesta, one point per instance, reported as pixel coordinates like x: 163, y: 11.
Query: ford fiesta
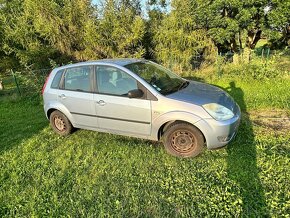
x: 140, y: 98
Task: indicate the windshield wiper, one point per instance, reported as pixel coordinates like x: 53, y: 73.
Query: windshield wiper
x: 183, y: 85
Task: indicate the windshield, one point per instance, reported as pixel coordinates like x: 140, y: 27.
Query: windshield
x: 160, y: 78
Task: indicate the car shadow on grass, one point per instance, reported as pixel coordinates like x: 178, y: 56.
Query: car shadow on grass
x: 20, y: 120
x: 242, y: 162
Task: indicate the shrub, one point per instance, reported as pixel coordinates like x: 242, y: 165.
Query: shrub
x: 257, y: 68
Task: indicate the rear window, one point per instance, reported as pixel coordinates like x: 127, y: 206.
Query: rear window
x: 56, y: 80
x: 78, y: 79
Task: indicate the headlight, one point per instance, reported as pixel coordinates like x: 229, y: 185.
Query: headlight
x: 218, y: 111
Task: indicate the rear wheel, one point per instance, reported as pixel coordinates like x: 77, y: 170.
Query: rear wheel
x: 183, y: 140
x: 60, y: 123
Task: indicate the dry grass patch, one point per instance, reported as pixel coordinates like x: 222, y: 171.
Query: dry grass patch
x: 277, y: 120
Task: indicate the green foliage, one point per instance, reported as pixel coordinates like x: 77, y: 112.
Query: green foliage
x: 31, y: 82
x: 21, y: 39
x: 121, y: 29
x: 279, y: 23
x: 63, y: 24
x: 226, y: 21
x: 192, y: 26
x: 35, y: 32
x: 177, y: 41
x: 258, y: 68
x: 155, y: 17
x: 27, y: 83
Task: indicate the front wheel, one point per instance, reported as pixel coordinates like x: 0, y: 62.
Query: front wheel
x: 60, y: 123
x: 183, y: 140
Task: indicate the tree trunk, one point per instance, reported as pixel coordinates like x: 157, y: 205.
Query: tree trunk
x: 240, y: 41
x: 253, y: 37
x: 234, y: 46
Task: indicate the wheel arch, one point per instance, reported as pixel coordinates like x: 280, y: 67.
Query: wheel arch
x: 49, y: 112
x: 49, y: 108
x: 165, y: 126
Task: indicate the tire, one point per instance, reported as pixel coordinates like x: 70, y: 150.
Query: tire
x: 60, y: 123
x: 183, y: 140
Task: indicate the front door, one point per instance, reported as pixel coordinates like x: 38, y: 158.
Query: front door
x: 115, y: 111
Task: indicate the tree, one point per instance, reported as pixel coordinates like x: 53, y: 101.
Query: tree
x: 226, y: 21
x: 64, y: 24
x: 178, y: 41
x: 35, y: 31
x: 121, y: 29
x: 18, y: 38
x: 278, y: 22
x: 156, y: 11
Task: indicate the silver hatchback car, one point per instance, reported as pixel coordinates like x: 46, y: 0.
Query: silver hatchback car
x: 140, y: 98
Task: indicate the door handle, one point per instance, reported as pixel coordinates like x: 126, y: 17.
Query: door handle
x: 101, y: 103
x: 62, y: 96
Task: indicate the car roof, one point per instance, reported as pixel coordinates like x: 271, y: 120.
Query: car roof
x: 117, y: 61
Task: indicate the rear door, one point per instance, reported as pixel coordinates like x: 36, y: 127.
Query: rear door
x: 76, y: 94
x: 116, y: 112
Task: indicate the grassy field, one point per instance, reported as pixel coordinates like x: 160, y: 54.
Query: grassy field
x: 96, y: 174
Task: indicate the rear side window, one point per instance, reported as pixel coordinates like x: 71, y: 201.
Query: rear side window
x: 56, y: 80
x: 78, y: 79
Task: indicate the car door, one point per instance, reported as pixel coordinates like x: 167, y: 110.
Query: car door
x: 115, y: 110
x: 76, y: 94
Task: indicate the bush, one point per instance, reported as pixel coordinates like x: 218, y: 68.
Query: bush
x: 257, y: 68
x: 31, y: 82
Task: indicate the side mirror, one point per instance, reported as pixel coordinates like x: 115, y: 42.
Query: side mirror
x: 135, y: 93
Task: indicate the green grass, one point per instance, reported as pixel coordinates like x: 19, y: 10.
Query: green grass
x: 9, y: 86
x: 257, y: 94
x: 97, y: 174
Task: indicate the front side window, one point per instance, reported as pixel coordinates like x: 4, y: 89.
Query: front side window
x: 111, y: 80
x: 78, y: 79
x: 160, y: 78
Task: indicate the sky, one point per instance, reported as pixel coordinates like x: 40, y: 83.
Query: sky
x: 143, y: 5
x: 143, y: 2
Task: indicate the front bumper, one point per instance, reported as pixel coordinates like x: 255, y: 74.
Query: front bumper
x: 219, y: 133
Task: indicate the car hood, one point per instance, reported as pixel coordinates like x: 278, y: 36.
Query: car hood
x: 201, y: 93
